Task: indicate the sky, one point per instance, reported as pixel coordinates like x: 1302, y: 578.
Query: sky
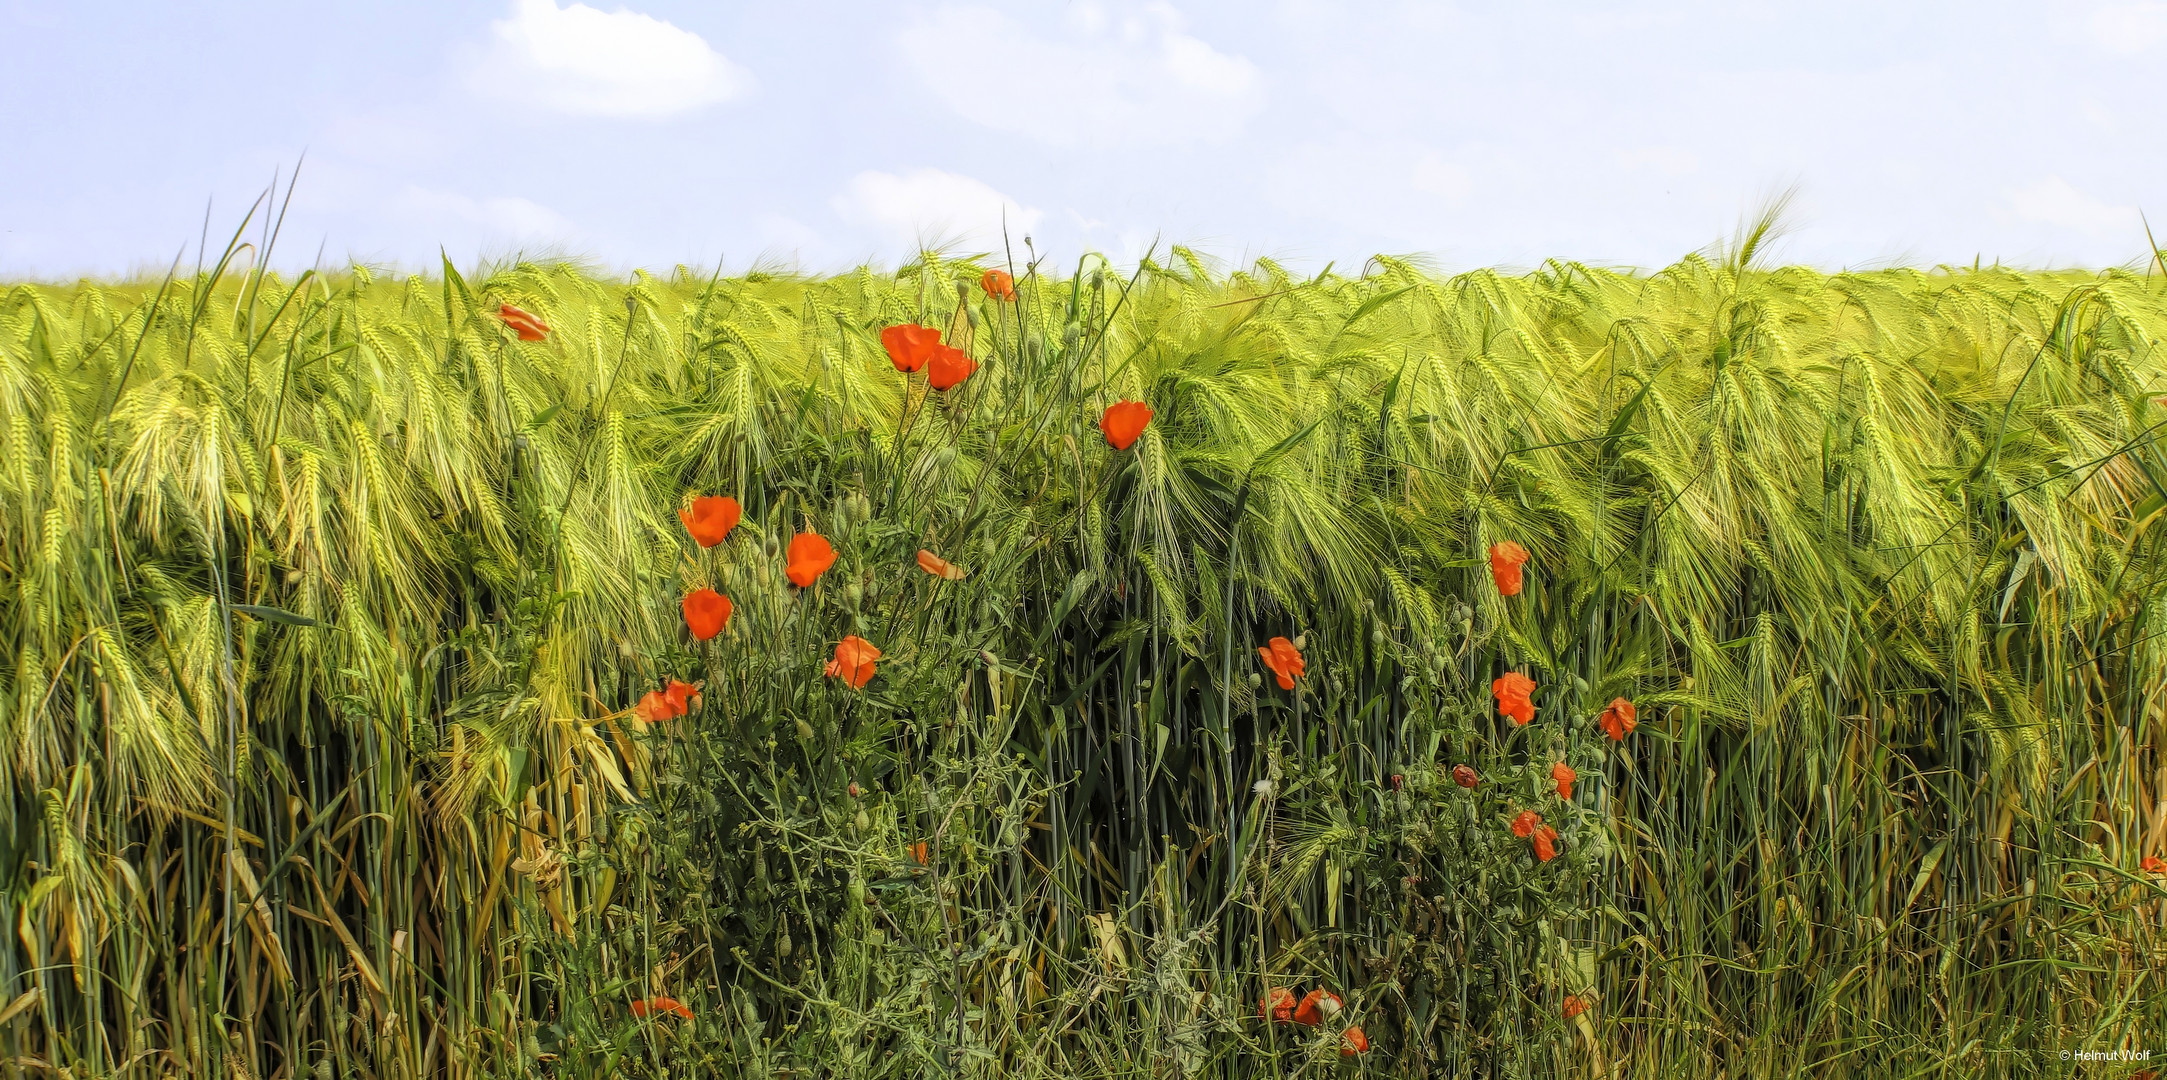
x: 822, y: 134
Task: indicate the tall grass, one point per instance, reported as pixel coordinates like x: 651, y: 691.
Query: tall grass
x: 328, y: 599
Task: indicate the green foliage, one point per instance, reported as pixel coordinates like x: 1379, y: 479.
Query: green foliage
x: 329, y: 603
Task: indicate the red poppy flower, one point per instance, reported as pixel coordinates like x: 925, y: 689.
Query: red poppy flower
x: 1546, y: 844
x: 1277, y: 1005
x: 918, y: 852
x: 998, y: 285
x: 663, y: 1006
x: 1525, y: 823
x: 1574, y: 1006
x: 653, y: 708
x: 706, y: 613
x: 1618, y: 719
x: 1284, y: 659
x: 1564, y: 775
x: 683, y: 697
x: 1317, y: 1006
x: 949, y: 366
x: 710, y: 519
x: 810, y: 557
x: 853, y: 661
x: 524, y: 323
x: 1123, y: 422
x: 2153, y: 864
x: 1397, y: 781
x: 938, y: 567
x: 1352, y: 1041
x: 910, y: 345
x: 1464, y: 776
x: 1511, y: 690
x: 1505, y: 560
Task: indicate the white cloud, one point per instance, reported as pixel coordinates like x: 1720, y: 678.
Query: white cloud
x: 2129, y: 28
x: 1106, y: 78
x: 931, y: 208
x: 2054, y: 201
x: 502, y: 215
x: 587, y: 62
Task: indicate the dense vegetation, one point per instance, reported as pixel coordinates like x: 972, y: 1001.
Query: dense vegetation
x: 332, y: 605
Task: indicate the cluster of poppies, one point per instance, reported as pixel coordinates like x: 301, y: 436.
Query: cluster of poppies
x: 1315, y: 1009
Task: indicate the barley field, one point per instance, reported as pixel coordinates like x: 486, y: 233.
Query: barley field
x: 1718, y: 671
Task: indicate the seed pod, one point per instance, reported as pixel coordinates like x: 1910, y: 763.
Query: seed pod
x: 862, y: 823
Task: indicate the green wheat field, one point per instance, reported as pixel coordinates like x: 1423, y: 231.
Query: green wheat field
x: 334, y: 603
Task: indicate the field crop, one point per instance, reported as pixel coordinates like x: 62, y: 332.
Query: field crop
x: 335, y: 603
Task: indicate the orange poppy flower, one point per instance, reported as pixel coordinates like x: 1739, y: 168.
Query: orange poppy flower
x: 1505, y: 560
x: 998, y: 285
x: 910, y: 345
x: 663, y: 1006
x: 1352, y: 1041
x: 918, y: 852
x: 1525, y: 823
x: 1618, y: 719
x: 1546, y: 844
x: 706, y: 613
x: 938, y: 567
x: 1284, y: 659
x: 1564, y: 775
x: 710, y: 519
x: 1574, y: 1006
x: 683, y: 697
x: 810, y: 557
x: 653, y: 708
x: 853, y: 661
x: 1317, y: 1006
x: 1511, y: 690
x: 1277, y: 1005
x: 524, y: 323
x: 949, y: 367
x: 1123, y: 422
x: 1464, y: 776
x: 2153, y: 864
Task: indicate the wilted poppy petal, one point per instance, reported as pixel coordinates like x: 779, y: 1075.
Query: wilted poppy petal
x: 1574, y: 1006
x: 710, y: 518
x: 998, y: 285
x: 938, y: 567
x: 1277, y: 1006
x: 1352, y: 1041
x: 706, y: 612
x: 1123, y: 422
x: 1546, y: 840
x: 1465, y: 776
x: 810, y: 556
x: 523, y: 323
x: 1564, y: 775
x: 1618, y: 719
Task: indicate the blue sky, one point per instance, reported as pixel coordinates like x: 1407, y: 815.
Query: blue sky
x: 823, y: 134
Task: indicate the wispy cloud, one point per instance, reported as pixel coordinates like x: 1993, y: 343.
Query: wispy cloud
x: 506, y: 217
x: 931, y: 208
x: 2055, y: 201
x: 587, y: 62
x: 1101, y: 78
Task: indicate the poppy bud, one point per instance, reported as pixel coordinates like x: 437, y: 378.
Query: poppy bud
x: 855, y: 791
x: 770, y: 547
x: 1071, y: 334
x: 1301, y: 641
x: 862, y: 822
x: 1255, y: 679
x: 1376, y: 637
x: 805, y: 730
